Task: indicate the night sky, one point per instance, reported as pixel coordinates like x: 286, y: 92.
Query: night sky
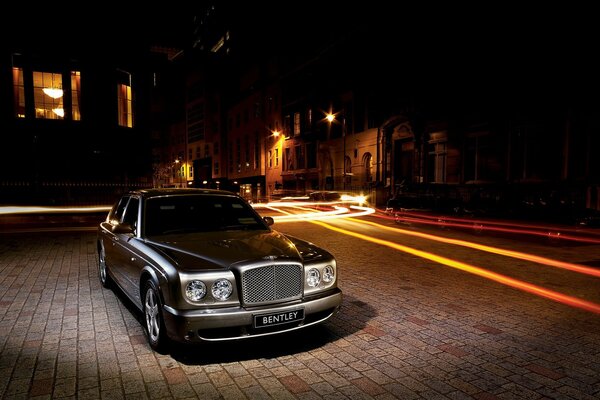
x: 496, y: 45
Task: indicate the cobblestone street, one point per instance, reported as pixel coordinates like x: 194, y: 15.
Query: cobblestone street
x: 408, y: 329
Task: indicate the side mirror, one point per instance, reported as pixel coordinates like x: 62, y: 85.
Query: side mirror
x: 123, y: 229
x: 269, y: 220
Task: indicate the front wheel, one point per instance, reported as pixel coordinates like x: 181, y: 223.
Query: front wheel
x: 155, y: 326
x: 105, y: 280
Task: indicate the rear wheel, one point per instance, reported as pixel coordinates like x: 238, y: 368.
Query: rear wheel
x: 155, y: 325
x: 102, y: 272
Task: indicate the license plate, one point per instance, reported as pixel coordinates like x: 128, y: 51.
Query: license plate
x: 264, y: 320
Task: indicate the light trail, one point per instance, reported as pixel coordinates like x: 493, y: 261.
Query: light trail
x: 338, y: 212
x: 309, y: 215
x: 553, y: 232
x: 36, y: 209
x: 489, y: 249
x: 503, y: 279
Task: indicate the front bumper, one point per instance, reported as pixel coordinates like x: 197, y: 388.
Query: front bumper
x: 237, y: 322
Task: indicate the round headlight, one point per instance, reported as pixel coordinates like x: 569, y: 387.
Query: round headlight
x: 195, y: 290
x: 222, y: 289
x: 328, y: 274
x: 313, y: 277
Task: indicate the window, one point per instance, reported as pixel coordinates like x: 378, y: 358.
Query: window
x: 287, y: 127
x: 270, y: 159
x: 256, y: 150
x: 125, y: 104
x: 75, y: 95
x: 347, y: 165
x: 276, y: 157
x: 437, y: 162
x: 19, y: 92
x: 195, y: 122
x: 238, y: 154
x: 311, y: 155
x: 299, y: 157
x: 131, y: 213
x: 368, y: 162
x: 247, y: 150
x: 296, y: 124
x: 288, y: 160
x: 48, y: 95
x: 216, y: 168
x: 480, y: 161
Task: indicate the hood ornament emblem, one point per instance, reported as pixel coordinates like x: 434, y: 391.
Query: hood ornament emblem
x: 270, y: 258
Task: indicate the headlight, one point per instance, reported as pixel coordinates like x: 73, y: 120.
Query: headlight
x: 195, y: 290
x: 222, y: 289
x: 313, y: 278
x: 328, y: 274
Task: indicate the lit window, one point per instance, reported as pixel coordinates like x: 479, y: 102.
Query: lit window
x: 75, y: 95
x: 19, y: 90
x: 276, y: 157
x: 125, y: 101
x: 48, y: 95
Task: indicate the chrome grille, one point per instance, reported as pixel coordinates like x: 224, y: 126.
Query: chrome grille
x: 271, y: 283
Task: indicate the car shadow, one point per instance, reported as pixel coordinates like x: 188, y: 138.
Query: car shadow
x: 343, y: 324
x: 351, y: 318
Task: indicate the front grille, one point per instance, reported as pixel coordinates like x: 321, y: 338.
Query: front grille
x: 271, y: 283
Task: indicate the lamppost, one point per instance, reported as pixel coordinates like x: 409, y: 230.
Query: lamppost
x: 274, y: 134
x: 179, y: 172
x: 331, y: 117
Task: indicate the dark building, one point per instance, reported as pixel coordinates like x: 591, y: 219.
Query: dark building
x: 77, y: 113
x: 496, y: 113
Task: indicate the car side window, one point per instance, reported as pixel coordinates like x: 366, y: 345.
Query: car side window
x: 131, y: 213
x: 119, y: 210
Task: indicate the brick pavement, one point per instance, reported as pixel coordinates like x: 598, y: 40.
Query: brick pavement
x: 408, y: 329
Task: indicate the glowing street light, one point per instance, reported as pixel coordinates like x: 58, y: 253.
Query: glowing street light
x: 330, y: 117
x: 179, y: 171
x: 274, y: 134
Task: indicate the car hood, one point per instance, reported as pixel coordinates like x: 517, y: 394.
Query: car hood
x: 224, y: 249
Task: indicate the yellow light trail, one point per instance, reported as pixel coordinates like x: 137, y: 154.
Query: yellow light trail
x: 495, y: 250
x: 34, y: 209
x: 338, y: 212
x: 503, y: 279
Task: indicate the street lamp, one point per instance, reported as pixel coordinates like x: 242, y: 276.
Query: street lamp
x: 274, y: 134
x: 178, y: 161
x: 331, y: 117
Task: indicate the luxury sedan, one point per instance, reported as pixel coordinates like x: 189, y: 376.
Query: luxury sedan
x: 202, y: 265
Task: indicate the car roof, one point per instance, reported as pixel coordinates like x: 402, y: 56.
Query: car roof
x: 157, y: 192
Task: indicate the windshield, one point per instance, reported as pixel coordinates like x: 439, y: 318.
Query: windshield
x: 198, y: 213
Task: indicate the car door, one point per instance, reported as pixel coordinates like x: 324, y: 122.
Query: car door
x: 130, y: 258
x: 123, y: 252
x: 110, y: 239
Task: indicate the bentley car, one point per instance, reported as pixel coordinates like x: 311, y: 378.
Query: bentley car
x: 202, y: 265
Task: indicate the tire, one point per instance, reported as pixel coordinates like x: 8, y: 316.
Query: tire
x: 154, y: 322
x: 105, y: 279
